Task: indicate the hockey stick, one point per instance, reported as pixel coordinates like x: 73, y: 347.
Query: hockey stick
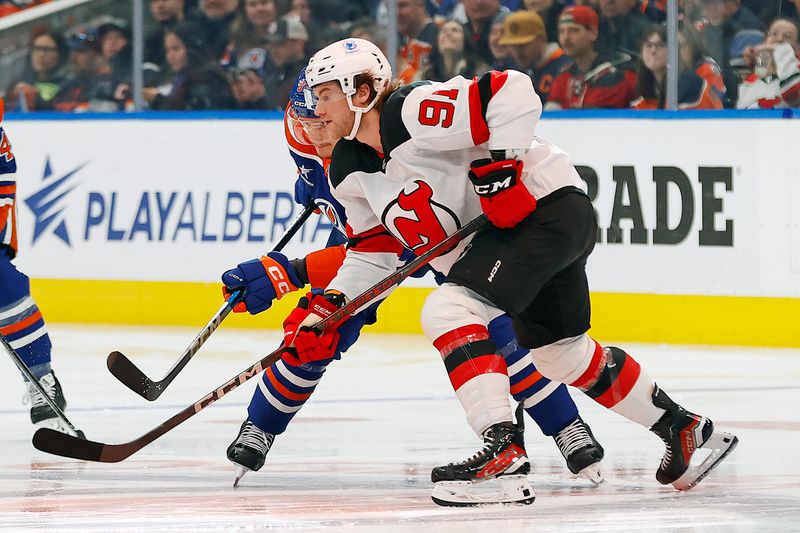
x: 64, y: 445
x: 35, y: 382
x: 129, y: 374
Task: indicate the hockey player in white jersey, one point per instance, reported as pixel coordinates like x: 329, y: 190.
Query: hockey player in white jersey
x: 420, y: 161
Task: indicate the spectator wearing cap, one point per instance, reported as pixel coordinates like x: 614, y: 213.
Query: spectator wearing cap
x: 216, y: 17
x: 285, y: 57
x: 480, y: 14
x: 525, y: 33
x: 197, y: 83
x: 418, y: 34
x: 774, y: 80
x: 621, y: 27
x: 591, y: 80
x: 247, y: 81
x: 43, y: 74
x: 166, y: 13
x: 549, y: 10
x: 450, y: 58
x: 88, y: 84
x: 700, y: 83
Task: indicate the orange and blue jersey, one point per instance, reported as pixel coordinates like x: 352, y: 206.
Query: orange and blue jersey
x: 21, y: 322
x: 8, y: 192
x: 701, y: 88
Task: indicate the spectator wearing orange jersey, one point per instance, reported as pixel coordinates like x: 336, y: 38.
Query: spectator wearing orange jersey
x: 524, y: 32
x: 418, y: 34
x: 700, y: 84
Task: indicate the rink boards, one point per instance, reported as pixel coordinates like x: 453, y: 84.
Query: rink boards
x: 132, y: 220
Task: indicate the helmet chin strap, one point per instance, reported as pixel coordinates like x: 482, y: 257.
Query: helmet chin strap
x: 359, y: 111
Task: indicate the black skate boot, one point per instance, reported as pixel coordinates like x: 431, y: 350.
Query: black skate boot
x: 685, y: 433
x: 582, y: 452
x: 502, y: 458
x: 249, y: 450
x: 42, y: 415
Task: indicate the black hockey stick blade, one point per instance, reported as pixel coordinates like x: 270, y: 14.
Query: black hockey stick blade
x: 64, y: 445
x: 129, y: 375
x: 56, y: 443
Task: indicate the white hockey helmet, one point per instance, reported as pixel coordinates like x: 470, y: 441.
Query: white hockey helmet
x: 342, y: 61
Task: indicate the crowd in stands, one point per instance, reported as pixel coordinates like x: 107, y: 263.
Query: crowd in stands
x: 245, y: 54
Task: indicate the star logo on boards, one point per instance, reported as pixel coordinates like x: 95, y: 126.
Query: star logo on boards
x: 49, y: 202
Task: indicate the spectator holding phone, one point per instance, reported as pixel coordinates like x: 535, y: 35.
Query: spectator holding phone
x: 775, y: 77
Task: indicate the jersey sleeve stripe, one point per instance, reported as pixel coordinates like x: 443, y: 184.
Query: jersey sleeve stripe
x: 477, y: 114
x: 481, y: 91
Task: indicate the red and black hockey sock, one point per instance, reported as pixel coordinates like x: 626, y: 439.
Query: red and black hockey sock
x: 478, y: 374
x: 468, y: 352
x: 615, y: 380
x: 610, y: 377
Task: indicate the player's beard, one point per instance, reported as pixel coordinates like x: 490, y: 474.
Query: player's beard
x: 338, y: 129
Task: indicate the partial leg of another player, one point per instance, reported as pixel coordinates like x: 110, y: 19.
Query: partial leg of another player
x: 549, y: 404
x: 282, y: 391
x: 21, y: 323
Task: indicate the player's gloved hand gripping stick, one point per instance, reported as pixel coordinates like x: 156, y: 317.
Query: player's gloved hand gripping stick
x: 50, y: 441
x: 129, y: 374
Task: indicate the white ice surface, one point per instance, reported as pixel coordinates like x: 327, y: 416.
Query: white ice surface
x: 358, y: 456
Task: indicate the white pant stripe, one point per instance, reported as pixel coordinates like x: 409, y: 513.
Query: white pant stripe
x: 273, y: 401
x: 27, y: 339
x: 540, y: 395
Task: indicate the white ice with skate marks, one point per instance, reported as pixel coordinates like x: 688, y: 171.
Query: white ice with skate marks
x: 358, y: 456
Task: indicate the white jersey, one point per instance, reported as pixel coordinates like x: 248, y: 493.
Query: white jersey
x: 779, y: 91
x: 418, y: 193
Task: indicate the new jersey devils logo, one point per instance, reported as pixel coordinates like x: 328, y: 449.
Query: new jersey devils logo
x: 417, y: 220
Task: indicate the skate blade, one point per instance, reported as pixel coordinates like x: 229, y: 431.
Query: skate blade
x: 512, y: 490
x: 240, y: 472
x: 55, y: 424
x: 720, y: 444
x: 593, y: 473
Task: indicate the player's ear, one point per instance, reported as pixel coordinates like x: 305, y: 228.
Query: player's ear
x: 363, y: 95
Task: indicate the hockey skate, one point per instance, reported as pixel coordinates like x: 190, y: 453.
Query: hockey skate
x: 582, y: 452
x: 685, y: 434
x: 248, y: 451
x: 502, y: 459
x: 42, y: 415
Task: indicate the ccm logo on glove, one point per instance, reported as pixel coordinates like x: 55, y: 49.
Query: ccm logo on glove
x: 282, y: 285
x: 504, y: 197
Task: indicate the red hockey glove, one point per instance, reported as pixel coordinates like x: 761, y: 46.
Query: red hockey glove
x: 504, y: 197
x: 303, y: 344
